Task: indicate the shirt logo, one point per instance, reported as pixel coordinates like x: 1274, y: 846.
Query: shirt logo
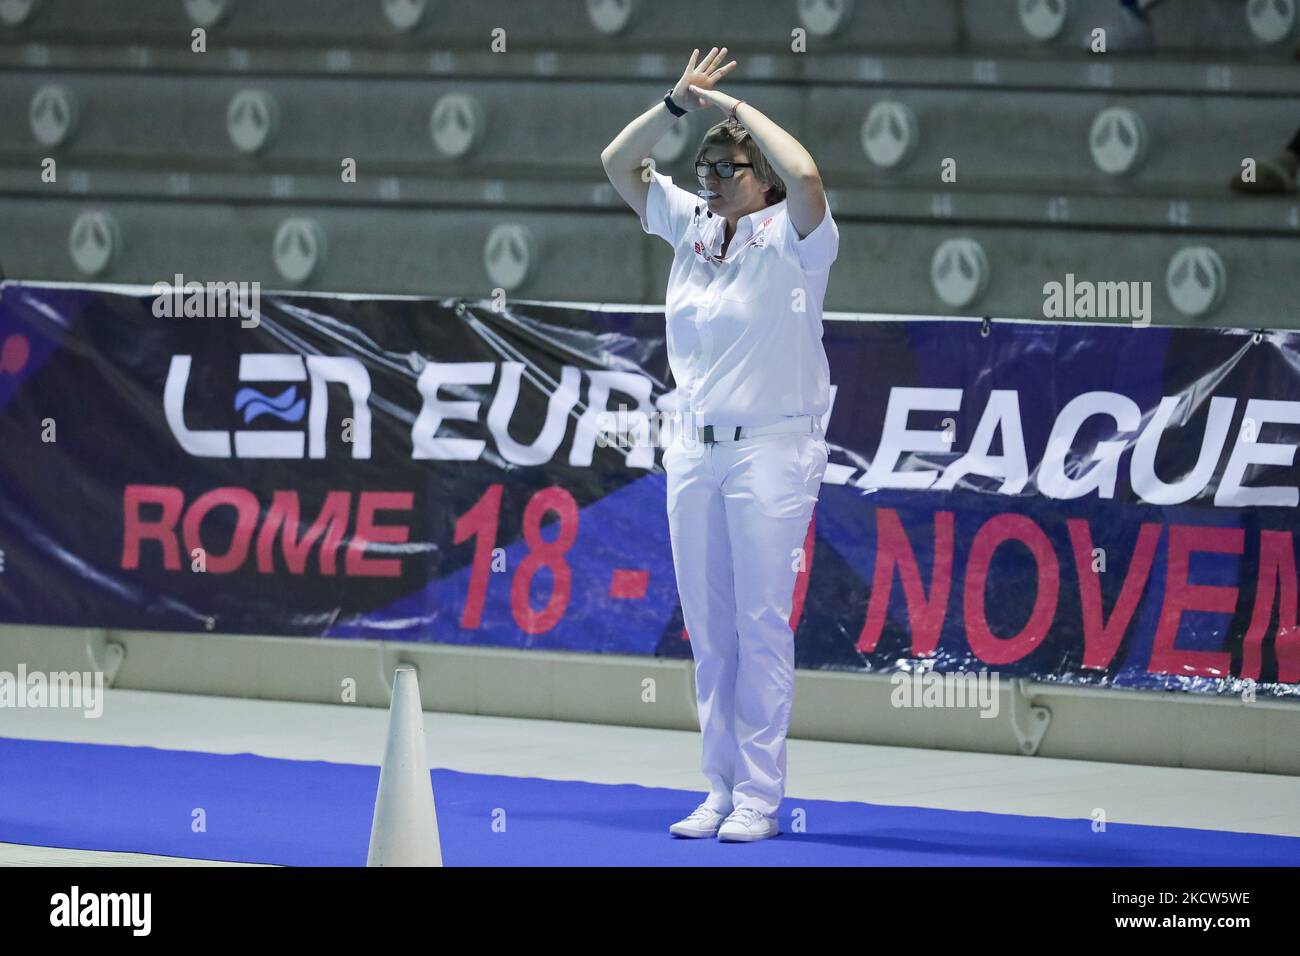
x: 759, y: 239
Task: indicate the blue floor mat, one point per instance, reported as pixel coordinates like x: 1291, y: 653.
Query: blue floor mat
x: 311, y: 813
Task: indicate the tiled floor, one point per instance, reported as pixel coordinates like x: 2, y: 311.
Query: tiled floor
x: 1035, y: 786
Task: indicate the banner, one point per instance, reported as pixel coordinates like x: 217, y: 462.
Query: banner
x: 1102, y: 505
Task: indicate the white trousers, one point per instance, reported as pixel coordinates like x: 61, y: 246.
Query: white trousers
x: 738, y: 511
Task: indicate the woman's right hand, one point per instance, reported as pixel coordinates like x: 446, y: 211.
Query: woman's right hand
x: 705, y: 76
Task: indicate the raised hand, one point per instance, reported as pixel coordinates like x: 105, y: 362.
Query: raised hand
x: 702, y: 77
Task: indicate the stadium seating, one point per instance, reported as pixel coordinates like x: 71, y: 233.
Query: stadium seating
x: 476, y: 127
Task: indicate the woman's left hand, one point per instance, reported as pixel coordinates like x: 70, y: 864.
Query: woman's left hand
x: 713, y: 97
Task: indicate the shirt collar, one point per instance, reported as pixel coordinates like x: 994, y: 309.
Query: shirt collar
x: 755, y: 218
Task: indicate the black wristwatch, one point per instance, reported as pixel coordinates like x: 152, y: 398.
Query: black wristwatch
x: 673, y: 107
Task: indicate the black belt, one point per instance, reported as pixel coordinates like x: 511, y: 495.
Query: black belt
x: 706, y: 435
x: 712, y: 434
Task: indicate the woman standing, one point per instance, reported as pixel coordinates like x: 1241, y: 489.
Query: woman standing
x: 752, y: 254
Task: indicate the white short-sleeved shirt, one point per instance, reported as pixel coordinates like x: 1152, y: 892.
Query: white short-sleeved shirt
x: 744, y: 346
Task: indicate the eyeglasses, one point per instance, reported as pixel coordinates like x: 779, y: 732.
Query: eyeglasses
x: 725, y: 168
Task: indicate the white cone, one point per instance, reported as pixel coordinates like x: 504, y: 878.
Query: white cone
x: 405, y: 827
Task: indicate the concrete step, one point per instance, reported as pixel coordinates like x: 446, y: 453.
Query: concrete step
x: 1251, y: 281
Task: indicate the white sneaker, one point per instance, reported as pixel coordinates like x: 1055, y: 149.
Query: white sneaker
x: 746, y: 825
x: 703, y: 822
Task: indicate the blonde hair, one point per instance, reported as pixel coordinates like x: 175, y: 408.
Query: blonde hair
x: 731, y: 133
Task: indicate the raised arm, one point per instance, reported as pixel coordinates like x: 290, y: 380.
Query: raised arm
x: 623, y: 157
x: 805, y: 198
